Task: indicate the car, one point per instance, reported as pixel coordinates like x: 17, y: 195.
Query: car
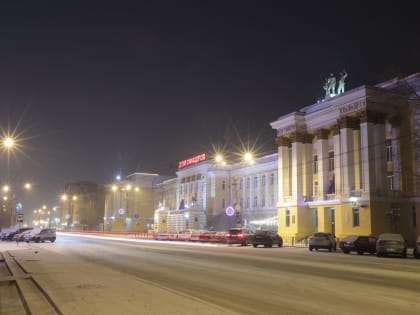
x: 10, y: 235
x: 358, y: 243
x: 416, y: 251
x: 41, y: 235
x: 240, y: 236
x: 391, y: 244
x: 267, y: 239
x: 20, y: 237
x: 322, y: 240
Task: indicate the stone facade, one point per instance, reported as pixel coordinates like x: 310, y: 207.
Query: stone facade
x: 345, y: 165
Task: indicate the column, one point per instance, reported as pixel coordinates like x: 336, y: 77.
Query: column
x: 283, y: 168
x: 337, y: 160
x: 367, y: 153
x: 322, y: 151
x: 307, y: 170
x: 356, y: 148
x: 297, y: 161
x: 347, y: 154
x: 396, y: 158
x: 380, y: 152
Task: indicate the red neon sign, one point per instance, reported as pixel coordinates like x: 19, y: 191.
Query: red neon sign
x: 193, y: 160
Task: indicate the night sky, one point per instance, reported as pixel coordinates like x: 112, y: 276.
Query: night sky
x: 137, y: 86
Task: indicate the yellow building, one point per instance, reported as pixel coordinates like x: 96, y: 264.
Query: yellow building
x: 350, y: 163
x: 130, y: 203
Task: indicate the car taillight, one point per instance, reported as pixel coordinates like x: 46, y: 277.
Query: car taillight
x: 240, y: 235
x: 228, y: 235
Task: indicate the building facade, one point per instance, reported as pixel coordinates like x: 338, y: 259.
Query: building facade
x: 350, y: 164
x: 82, y: 206
x: 215, y: 196
x: 130, y: 203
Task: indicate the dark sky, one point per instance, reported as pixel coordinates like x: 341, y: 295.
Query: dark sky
x: 138, y: 86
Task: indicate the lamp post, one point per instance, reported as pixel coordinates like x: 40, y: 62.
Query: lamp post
x: 119, y: 207
x: 10, y: 200
x: 69, y: 215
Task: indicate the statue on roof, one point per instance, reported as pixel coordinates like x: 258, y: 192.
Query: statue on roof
x: 329, y: 85
x: 341, y: 83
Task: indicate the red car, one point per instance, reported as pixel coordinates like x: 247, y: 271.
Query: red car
x: 359, y: 244
x: 239, y: 236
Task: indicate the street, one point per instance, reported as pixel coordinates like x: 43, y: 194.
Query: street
x: 225, y: 279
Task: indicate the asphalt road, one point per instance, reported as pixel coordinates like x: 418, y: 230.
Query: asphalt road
x: 259, y: 280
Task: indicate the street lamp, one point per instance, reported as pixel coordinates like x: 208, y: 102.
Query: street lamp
x: 10, y: 202
x: 69, y: 215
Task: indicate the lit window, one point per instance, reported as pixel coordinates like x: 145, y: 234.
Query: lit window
x: 388, y: 151
x: 390, y: 182
x: 331, y: 161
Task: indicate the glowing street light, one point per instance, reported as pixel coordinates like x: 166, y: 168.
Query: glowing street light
x: 8, y: 142
x: 6, y: 188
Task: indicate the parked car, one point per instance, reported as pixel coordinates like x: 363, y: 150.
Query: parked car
x: 416, y: 251
x: 322, y: 240
x: 9, y: 236
x: 391, y: 244
x: 267, y: 239
x: 20, y: 237
x: 41, y: 235
x: 359, y: 244
x: 239, y: 236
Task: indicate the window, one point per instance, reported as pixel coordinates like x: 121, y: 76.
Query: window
x: 331, y: 161
x: 263, y: 201
x: 414, y: 216
x: 247, y: 203
x: 315, y: 164
x: 390, y: 182
x: 388, y: 150
x: 241, y: 183
x: 316, y: 219
x: 263, y: 180
x: 241, y: 202
x: 255, y: 182
x: 316, y: 189
x: 356, y: 218
x: 255, y: 202
x: 272, y: 200
x: 223, y: 203
x: 247, y: 182
x: 287, y: 217
x: 271, y: 179
x: 224, y: 185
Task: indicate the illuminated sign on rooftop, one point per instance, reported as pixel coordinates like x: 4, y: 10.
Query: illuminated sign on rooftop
x: 193, y: 160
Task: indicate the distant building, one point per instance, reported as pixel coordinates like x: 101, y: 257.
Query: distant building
x: 209, y: 195
x: 82, y: 206
x: 130, y: 203
x: 350, y: 164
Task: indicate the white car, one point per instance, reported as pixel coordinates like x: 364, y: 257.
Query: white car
x: 391, y: 244
x: 322, y: 240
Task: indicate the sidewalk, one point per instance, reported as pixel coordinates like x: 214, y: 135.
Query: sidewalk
x: 79, y: 287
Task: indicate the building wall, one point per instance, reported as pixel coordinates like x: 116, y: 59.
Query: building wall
x: 362, y: 147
